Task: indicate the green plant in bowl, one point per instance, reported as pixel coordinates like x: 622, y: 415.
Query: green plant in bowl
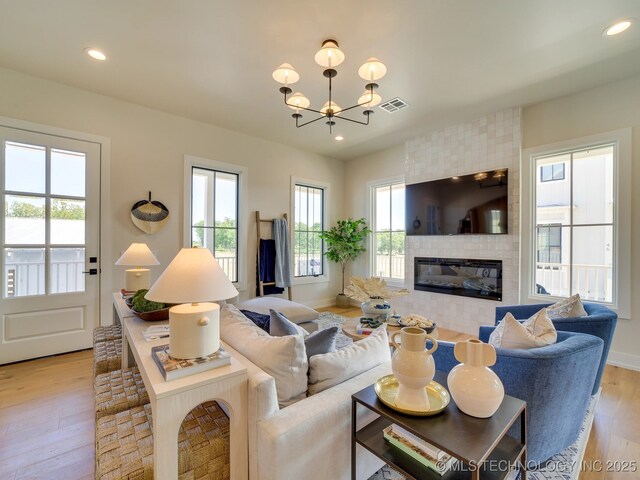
x: 141, y: 304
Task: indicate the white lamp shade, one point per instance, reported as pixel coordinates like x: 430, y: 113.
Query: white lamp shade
x: 329, y: 55
x: 334, y: 106
x: 138, y: 255
x: 373, y: 69
x: 297, y: 101
x: 369, y: 100
x: 193, y: 276
x: 286, y: 74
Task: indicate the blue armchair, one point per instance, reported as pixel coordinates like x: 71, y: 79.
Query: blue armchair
x: 555, y: 381
x: 600, y: 322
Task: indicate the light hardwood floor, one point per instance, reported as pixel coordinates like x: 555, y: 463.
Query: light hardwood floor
x: 47, y: 424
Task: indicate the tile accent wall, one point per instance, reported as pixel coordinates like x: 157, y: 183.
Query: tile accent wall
x: 487, y: 143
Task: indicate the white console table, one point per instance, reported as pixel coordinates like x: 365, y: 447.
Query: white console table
x: 171, y: 401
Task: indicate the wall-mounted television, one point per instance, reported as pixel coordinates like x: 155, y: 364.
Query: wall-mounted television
x: 468, y: 204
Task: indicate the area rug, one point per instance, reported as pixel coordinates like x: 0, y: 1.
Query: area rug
x: 328, y: 320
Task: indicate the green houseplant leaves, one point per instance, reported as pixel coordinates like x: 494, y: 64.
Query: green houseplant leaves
x: 345, y: 241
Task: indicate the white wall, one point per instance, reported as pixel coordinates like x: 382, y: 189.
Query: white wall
x: 147, y: 152
x: 602, y: 109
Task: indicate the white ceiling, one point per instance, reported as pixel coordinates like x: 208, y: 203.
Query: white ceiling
x: 212, y: 60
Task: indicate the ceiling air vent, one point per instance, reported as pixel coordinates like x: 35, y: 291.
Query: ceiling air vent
x: 393, y: 105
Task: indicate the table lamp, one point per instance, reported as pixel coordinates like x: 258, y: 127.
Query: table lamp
x: 193, y: 278
x: 137, y: 255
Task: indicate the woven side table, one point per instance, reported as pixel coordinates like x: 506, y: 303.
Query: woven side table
x: 107, y: 356
x: 124, y: 445
x: 118, y: 391
x: 107, y: 333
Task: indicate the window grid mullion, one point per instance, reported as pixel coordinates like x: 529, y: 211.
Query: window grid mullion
x: 213, y: 213
x: 47, y: 222
x: 390, y: 231
x: 571, y: 240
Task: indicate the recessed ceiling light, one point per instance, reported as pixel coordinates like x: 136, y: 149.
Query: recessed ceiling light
x: 96, y: 54
x: 617, y: 28
x: 339, y: 138
x: 455, y: 178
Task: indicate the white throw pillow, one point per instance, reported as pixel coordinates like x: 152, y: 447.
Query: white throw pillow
x: 537, y: 331
x: 567, y: 308
x: 296, y: 312
x: 284, y: 358
x: 329, y: 369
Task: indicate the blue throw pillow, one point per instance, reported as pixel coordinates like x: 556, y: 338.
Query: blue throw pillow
x: 322, y: 341
x: 281, y: 326
x: 259, y: 319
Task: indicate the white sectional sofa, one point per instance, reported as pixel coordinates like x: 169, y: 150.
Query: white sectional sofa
x: 310, y: 439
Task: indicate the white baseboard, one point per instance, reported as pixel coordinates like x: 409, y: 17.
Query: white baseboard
x: 624, y: 360
x: 325, y: 302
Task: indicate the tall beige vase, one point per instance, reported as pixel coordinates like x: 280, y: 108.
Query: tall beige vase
x: 413, y: 367
x: 475, y: 388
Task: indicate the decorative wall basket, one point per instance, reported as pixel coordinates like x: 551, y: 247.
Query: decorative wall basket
x: 149, y: 216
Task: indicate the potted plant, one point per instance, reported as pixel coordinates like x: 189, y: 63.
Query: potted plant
x: 345, y: 242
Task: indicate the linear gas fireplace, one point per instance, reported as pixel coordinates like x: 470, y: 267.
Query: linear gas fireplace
x: 455, y: 276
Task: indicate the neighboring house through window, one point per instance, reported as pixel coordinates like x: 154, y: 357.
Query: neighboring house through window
x: 575, y: 223
x: 552, y: 172
x: 388, y: 229
x: 549, y: 248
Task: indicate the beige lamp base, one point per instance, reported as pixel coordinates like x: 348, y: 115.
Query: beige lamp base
x: 194, y: 330
x: 137, y: 279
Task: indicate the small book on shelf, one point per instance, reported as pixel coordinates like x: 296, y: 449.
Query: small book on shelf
x: 431, y: 450
x: 172, y: 368
x: 440, y: 464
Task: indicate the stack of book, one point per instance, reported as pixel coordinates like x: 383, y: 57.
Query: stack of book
x: 425, y: 453
x: 367, y: 325
x: 363, y: 329
x: 172, y: 368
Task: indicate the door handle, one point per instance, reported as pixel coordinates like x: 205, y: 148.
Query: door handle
x: 92, y: 271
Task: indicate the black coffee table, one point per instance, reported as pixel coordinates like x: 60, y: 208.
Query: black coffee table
x: 482, y: 445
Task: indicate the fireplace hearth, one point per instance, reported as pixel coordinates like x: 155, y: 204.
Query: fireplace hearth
x: 463, y: 277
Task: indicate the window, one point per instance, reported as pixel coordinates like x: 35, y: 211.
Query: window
x: 575, y: 223
x: 549, y: 243
x: 44, y: 240
x: 550, y: 173
x: 588, y: 216
x: 213, y: 209
x: 387, y: 225
x: 309, y: 214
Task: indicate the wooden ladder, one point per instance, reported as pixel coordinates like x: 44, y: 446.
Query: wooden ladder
x: 259, y: 222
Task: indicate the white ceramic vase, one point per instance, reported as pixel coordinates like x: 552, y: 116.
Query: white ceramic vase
x: 475, y: 388
x: 376, y: 307
x: 413, y: 367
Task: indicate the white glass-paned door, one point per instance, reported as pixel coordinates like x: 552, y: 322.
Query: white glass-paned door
x: 49, y: 244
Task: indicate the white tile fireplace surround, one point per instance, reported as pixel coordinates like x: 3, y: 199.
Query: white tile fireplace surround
x: 487, y: 143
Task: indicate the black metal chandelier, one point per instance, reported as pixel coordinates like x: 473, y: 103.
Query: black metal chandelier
x: 330, y: 56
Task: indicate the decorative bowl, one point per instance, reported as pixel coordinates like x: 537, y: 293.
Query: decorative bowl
x: 154, y: 315
x: 426, y: 329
